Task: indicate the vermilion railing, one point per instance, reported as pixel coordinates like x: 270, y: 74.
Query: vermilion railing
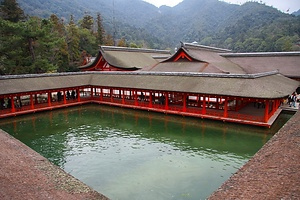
x: 129, y: 101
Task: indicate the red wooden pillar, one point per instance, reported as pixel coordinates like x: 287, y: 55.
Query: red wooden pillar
x: 31, y: 102
x: 12, y: 101
x: 184, y: 103
x: 111, y: 95
x: 226, y: 107
x: 236, y: 104
x: 167, y: 101
x: 92, y: 92
x: 120, y: 94
x: 150, y: 100
x: 135, y: 98
x: 266, y: 116
x: 49, y: 99
x: 278, y: 103
x: 217, y: 103
x: 274, y: 106
x: 198, y: 100
x: 65, y: 98
x: 204, y: 105
x: 78, y: 95
x: 35, y: 99
x: 101, y: 94
x: 123, y: 97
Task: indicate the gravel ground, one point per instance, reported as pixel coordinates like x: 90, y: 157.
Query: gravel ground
x: 25, y: 174
x: 274, y: 171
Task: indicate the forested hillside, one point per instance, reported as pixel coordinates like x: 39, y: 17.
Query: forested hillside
x: 35, y: 45
x: 210, y: 22
x: 297, y: 13
x: 42, y: 36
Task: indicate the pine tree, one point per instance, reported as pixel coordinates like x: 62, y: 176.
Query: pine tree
x: 58, y: 25
x: 10, y: 10
x: 12, y: 55
x: 100, y: 30
x: 87, y: 22
x: 73, y: 41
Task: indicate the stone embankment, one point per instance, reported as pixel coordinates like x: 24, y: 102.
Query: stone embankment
x: 273, y: 172
x: 25, y: 174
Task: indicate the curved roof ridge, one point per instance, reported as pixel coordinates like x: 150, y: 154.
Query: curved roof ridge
x: 191, y: 74
x: 42, y: 75
x: 197, y: 74
x: 255, y: 54
x: 210, y: 48
x: 128, y: 49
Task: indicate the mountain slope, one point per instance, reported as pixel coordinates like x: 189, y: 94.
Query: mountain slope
x: 210, y: 22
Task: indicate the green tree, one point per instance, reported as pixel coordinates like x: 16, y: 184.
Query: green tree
x: 100, y: 30
x: 58, y: 25
x: 284, y: 44
x: 10, y: 10
x: 207, y: 41
x: 133, y: 45
x: 73, y: 41
x: 12, y: 56
x: 87, y: 41
x: 109, y: 40
x: 61, y: 58
x: 87, y: 22
x: 252, y: 44
x: 122, y: 42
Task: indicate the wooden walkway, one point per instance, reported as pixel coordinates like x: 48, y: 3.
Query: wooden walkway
x: 247, y: 115
x: 287, y: 107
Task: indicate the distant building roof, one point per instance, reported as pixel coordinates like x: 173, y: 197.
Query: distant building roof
x: 287, y: 63
x: 128, y: 58
x: 197, y: 58
x: 203, y: 47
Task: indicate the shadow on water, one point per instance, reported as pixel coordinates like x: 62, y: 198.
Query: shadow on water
x: 129, y: 154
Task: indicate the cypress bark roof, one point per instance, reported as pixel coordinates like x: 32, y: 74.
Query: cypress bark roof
x: 129, y: 58
x: 204, y: 59
x: 287, y: 63
x: 262, y: 85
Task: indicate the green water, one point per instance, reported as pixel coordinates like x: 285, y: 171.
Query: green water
x: 128, y: 154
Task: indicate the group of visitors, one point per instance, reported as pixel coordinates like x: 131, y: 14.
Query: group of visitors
x: 69, y: 95
x: 7, y: 103
x: 292, y: 99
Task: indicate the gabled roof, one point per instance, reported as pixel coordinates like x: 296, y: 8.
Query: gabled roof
x: 287, y: 63
x: 198, y: 58
x: 129, y: 58
x: 262, y: 85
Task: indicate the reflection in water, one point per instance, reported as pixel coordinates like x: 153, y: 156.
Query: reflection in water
x: 128, y: 154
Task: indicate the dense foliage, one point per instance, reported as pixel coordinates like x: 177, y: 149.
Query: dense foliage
x: 58, y: 35
x: 249, y: 27
x: 36, y: 45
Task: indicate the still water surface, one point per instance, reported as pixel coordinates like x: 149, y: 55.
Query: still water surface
x: 128, y: 154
